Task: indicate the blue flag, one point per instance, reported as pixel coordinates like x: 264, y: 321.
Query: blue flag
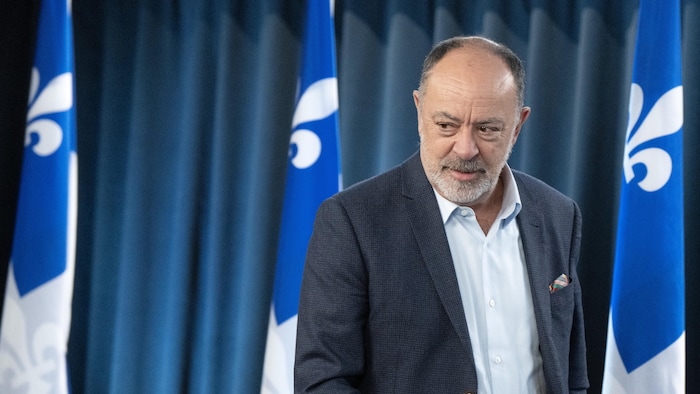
x: 37, y: 305
x: 646, y: 330
x: 313, y: 174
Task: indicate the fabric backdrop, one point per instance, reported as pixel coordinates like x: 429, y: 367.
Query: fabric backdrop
x: 184, y: 115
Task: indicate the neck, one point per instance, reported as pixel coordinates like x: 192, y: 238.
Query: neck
x: 487, y: 211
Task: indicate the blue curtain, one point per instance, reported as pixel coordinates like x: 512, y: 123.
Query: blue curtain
x: 184, y: 116
x: 185, y: 119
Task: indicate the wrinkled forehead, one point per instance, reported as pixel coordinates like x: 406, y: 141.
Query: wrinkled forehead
x: 473, y: 71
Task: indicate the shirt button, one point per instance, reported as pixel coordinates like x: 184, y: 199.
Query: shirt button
x: 492, y: 303
x: 464, y: 212
x: 497, y: 360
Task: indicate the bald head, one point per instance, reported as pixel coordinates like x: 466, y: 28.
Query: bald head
x: 476, y: 44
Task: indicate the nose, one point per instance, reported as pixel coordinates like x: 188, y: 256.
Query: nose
x: 465, y: 145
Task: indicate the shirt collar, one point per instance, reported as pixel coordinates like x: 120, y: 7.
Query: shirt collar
x: 510, y: 206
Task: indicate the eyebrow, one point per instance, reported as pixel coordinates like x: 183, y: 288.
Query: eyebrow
x: 494, y: 120
x: 443, y: 114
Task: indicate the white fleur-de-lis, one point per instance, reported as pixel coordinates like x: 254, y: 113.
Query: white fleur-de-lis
x: 57, y: 96
x: 319, y: 100
x: 27, y: 366
x: 664, y: 118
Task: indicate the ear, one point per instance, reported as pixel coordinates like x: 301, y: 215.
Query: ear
x: 524, y: 114
x: 416, y: 101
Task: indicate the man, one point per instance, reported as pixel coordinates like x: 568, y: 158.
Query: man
x: 451, y: 273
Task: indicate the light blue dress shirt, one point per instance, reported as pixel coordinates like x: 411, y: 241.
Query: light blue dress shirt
x: 495, y: 291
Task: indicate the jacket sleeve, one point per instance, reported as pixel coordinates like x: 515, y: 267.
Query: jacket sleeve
x: 333, y: 307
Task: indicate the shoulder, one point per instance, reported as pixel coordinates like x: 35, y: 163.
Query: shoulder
x: 537, y: 195
x: 368, y: 198
x: 387, y: 186
x: 532, y: 188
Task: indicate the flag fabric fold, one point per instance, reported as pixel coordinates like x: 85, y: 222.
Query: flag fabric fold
x: 646, y: 329
x: 313, y: 174
x: 37, y: 304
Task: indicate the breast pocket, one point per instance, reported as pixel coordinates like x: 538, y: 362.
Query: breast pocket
x: 562, y: 304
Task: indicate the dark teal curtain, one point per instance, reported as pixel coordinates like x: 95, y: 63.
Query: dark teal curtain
x: 184, y: 114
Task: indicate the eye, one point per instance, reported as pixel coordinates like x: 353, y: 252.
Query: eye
x: 489, y: 133
x: 446, y: 127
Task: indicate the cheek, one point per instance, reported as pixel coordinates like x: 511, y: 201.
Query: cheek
x: 494, y: 154
x: 436, y: 147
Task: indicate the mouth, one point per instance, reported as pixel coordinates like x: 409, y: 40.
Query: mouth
x: 463, y: 176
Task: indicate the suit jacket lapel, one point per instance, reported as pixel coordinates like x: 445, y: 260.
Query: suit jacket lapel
x: 531, y: 223
x: 426, y: 222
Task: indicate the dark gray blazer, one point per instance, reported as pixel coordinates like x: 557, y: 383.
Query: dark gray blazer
x: 380, y: 308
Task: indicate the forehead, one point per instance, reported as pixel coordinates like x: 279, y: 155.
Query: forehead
x: 471, y: 73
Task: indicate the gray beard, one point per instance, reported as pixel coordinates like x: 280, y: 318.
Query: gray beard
x: 465, y: 193
x: 461, y: 193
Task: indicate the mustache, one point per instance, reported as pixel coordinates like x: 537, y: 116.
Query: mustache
x: 455, y: 164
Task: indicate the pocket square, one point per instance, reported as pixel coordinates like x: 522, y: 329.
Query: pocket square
x: 561, y: 282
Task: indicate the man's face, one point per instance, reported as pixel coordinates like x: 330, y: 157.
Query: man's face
x: 468, y: 122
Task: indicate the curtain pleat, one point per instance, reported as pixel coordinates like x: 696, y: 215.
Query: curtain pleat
x: 196, y: 108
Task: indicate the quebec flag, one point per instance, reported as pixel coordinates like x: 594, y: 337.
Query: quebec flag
x: 313, y: 174
x: 37, y: 306
x: 646, y: 329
